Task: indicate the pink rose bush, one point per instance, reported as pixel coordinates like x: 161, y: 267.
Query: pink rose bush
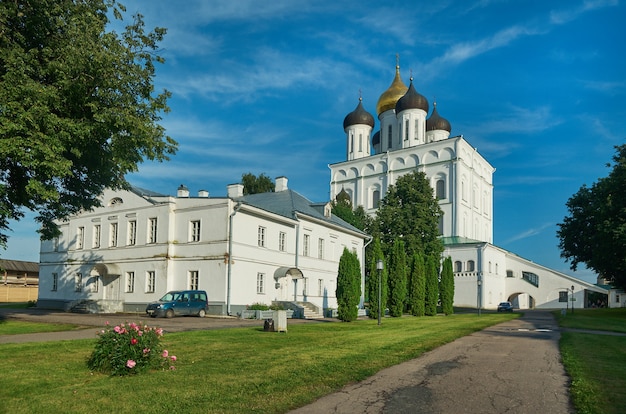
x: 129, y: 348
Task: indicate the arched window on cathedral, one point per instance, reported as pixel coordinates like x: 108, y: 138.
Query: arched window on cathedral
x: 351, y: 146
x: 406, y: 130
x: 440, y: 189
x: 375, y: 198
x: 458, y: 266
x: 470, y: 265
x: 416, y: 129
x: 389, y: 137
x: 360, y: 142
x: 440, y: 225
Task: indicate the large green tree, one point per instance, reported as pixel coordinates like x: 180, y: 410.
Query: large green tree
x: 417, y: 285
x: 410, y: 212
x: 342, y: 208
x: 594, y: 231
x: 78, y: 109
x: 255, y: 185
x: 397, y: 279
x: 446, y: 287
x: 348, y: 291
x: 373, y: 283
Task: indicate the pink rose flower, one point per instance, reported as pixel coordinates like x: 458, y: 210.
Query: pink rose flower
x: 173, y: 358
x: 146, y: 350
x: 165, y: 353
x: 130, y: 363
x: 117, y: 329
x: 133, y: 341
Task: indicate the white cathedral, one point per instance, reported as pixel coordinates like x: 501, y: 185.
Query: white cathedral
x: 409, y: 140
x: 279, y: 247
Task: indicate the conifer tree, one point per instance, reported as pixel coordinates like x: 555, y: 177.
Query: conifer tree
x: 348, y: 291
x: 397, y: 279
x: 432, y: 286
x: 417, y: 285
x: 446, y: 287
x: 373, y: 282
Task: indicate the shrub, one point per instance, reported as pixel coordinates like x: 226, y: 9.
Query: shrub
x: 258, y: 306
x: 128, y: 349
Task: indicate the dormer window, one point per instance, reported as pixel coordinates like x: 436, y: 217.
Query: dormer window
x: 116, y: 201
x: 327, y: 210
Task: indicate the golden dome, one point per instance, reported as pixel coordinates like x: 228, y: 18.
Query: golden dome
x: 396, y: 90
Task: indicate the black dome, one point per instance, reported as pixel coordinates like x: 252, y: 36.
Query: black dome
x: 437, y: 122
x: 376, y: 139
x: 412, y: 100
x: 358, y: 116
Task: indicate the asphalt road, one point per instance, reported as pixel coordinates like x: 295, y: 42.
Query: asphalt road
x: 514, y: 367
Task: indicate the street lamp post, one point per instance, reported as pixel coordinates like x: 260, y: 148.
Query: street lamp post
x: 379, y: 267
x: 572, y: 299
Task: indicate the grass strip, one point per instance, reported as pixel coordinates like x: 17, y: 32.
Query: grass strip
x: 14, y: 327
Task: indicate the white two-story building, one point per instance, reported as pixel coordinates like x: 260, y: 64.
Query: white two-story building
x: 261, y: 248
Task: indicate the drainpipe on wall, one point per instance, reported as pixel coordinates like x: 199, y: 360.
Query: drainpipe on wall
x: 362, y: 301
x: 230, y: 254
x: 295, y: 287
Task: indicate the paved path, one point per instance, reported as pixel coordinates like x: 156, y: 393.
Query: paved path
x: 513, y: 367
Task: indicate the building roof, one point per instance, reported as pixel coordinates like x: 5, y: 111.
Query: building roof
x: 289, y: 203
x: 454, y: 240
x: 19, y: 266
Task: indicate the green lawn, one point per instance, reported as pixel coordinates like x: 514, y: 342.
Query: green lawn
x: 596, y: 363
x: 242, y: 370
x: 13, y: 327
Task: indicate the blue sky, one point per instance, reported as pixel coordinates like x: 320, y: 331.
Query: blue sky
x: 539, y: 88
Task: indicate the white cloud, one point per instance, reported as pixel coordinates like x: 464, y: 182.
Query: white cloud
x: 529, y: 233
x: 559, y: 17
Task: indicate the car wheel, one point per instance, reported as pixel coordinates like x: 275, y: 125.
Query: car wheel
x: 153, y: 315
x: 202, y: 313
x: 169, y: 313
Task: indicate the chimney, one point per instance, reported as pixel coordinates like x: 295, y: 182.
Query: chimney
x: 281, y: 184
x: 203, y: 193
x: 182, y: 191
x: 235, y: 190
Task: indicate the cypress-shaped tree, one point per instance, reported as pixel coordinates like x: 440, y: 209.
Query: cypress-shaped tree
x: 373, y: 282
x: 417, y: 285
x: 397, y: 279
x: 432, y: 286
x: 446, y: 287
x: 348, y: 291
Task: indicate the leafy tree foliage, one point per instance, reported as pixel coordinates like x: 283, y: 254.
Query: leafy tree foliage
x: 373, y: 282
x: 417, y: 285
x: 432, y: 286
x: 594, y: 232
x: 348, y: 291
x: 410, y: 212
x: 342, y: 208
x: 255, y: 185
x: 397, y: 279
x: 446, y: 287
x: 78, y: 109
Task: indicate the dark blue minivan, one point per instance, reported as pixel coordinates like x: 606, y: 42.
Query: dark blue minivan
x: 180, y: 302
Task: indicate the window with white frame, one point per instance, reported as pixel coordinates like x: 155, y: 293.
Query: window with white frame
x: 458, y: 266
x: 130, y: 282
x: 194, y: 230
x: 152, y: 230
x: 55, y: 243
x: 95, y: 284
x: 78, y: 282
x: 150, y: 281
x: 97, y: 230
x: 80, y: 237
x: 440, y: 189
x: 193, y: 279
x: 260, y: 283
x: 320, y: 249
x: 305, y: 287
x: 55, y: 282
x: 281, y: 241
x: 470, y: 265
x: 113, y: 235
x: 306, y: 245
x: 132, y: 232
x: 320, y: 287
x: 261, y: 236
